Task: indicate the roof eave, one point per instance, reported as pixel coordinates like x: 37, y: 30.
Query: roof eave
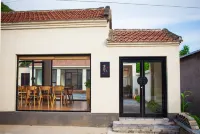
x: 140, y: 44
x: 54, y: 24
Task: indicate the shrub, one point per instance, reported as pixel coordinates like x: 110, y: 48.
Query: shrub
x: 88, y: 84
x: 153, y: 106
x: 137, y: 98
x: 184, y: 102
x: 197, y: 119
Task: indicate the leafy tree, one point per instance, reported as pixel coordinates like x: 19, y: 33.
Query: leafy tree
x: 185, y: 50
x: 146, y: 67
x: 25, y: 64
x: 5, y: 8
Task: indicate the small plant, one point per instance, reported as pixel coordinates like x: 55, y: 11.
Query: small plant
x: 153, y: 106
x: 88, y: 84
x: 137, y: 98
x: 184, y: 102
x: 197, y: 119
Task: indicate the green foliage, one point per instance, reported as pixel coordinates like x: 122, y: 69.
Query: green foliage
x: 25, y: 64
x: 88, y: 84
x: 185, y: 50
x: 197, y: 119
x: 5, y: 8
x: 184, y: 102
x: 154, y: 107
x: 137, y: 98
x: 146, y: 67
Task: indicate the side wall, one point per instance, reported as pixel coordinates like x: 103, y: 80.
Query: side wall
x: 190, y: 78
x: 104, y: 91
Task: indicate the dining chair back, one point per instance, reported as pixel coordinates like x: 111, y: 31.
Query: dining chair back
x: 45, y: 93
x: 31, y: 94
x: 58, y: 92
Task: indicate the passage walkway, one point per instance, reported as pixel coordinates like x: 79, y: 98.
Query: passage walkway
x: 19, y: 129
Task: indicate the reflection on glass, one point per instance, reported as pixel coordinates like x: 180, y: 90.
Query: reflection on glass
x: 131, y: 92
x: 153, y: 89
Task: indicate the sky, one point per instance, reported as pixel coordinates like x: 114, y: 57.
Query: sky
x: 184, y: 22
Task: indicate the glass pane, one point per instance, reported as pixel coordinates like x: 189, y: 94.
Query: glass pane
x: 131, y: 89
x: 153, y: 89
x: 62, y: 77
x: 38, y: 77
x: 88, y: 74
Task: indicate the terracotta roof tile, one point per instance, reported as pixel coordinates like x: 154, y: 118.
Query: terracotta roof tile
x: 142, y: 35
x: 52, y: 15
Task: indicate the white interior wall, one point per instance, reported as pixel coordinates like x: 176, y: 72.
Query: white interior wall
x: 81, y: 41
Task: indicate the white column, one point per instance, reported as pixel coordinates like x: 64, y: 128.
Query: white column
x: 58, y: 76
x: 30, y: 76
x: 84, y: 79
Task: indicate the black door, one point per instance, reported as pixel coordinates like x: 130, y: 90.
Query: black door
x: 25, y: 79
x: 142, y: 87
x: 68, y: 79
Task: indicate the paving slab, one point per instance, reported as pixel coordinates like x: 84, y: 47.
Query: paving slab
x: 23, y: 129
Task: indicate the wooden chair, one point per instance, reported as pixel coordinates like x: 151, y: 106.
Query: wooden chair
x: 21, y: 94
x: 32, y: 94
x: 58, y: 92
x: 70, y: 93
x: 45, y: 93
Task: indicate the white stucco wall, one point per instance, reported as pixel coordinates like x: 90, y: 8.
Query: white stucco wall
x: 104, y: 91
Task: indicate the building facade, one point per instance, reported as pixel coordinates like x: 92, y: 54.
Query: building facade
x: 144, y: 51
x: 190, y: 77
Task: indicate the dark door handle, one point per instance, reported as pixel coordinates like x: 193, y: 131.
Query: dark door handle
x: 142, y: 80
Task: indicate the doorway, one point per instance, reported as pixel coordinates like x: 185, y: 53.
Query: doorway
x: 142, y: 86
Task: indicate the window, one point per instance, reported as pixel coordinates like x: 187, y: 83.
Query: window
x: 54, y: 77
x: 38, y: 75
x: 88, y: 74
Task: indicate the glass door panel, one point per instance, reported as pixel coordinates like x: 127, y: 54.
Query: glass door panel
x: 131, y: 89
x: 154, y: 88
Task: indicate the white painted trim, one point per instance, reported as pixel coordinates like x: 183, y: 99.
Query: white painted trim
x: 58, y: 77
x: 143, y: 44
x: 84, y: 75
x: 54, y: 24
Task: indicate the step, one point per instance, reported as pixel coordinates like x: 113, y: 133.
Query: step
x: 145, y: 128
x: 144, y: 121
x: 112, y: 132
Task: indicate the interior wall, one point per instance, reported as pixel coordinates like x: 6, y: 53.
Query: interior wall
x: 82, y: 41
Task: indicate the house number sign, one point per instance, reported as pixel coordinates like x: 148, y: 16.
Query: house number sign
x: 105, y: 69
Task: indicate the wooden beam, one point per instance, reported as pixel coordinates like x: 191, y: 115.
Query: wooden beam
x: 54, y: 58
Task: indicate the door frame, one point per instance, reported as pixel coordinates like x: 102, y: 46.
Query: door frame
x: 164, y: 85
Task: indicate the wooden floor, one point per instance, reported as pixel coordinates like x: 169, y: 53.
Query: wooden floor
x: 76, y: 106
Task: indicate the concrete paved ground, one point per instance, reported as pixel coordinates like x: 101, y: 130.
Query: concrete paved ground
x: 22, y: 129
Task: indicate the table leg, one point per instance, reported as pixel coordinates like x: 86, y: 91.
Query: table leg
x: 48, y: 100
x: 34, y: 99
x: 21, y: 100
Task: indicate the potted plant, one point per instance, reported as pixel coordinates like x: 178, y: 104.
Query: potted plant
x: 88, y: 84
